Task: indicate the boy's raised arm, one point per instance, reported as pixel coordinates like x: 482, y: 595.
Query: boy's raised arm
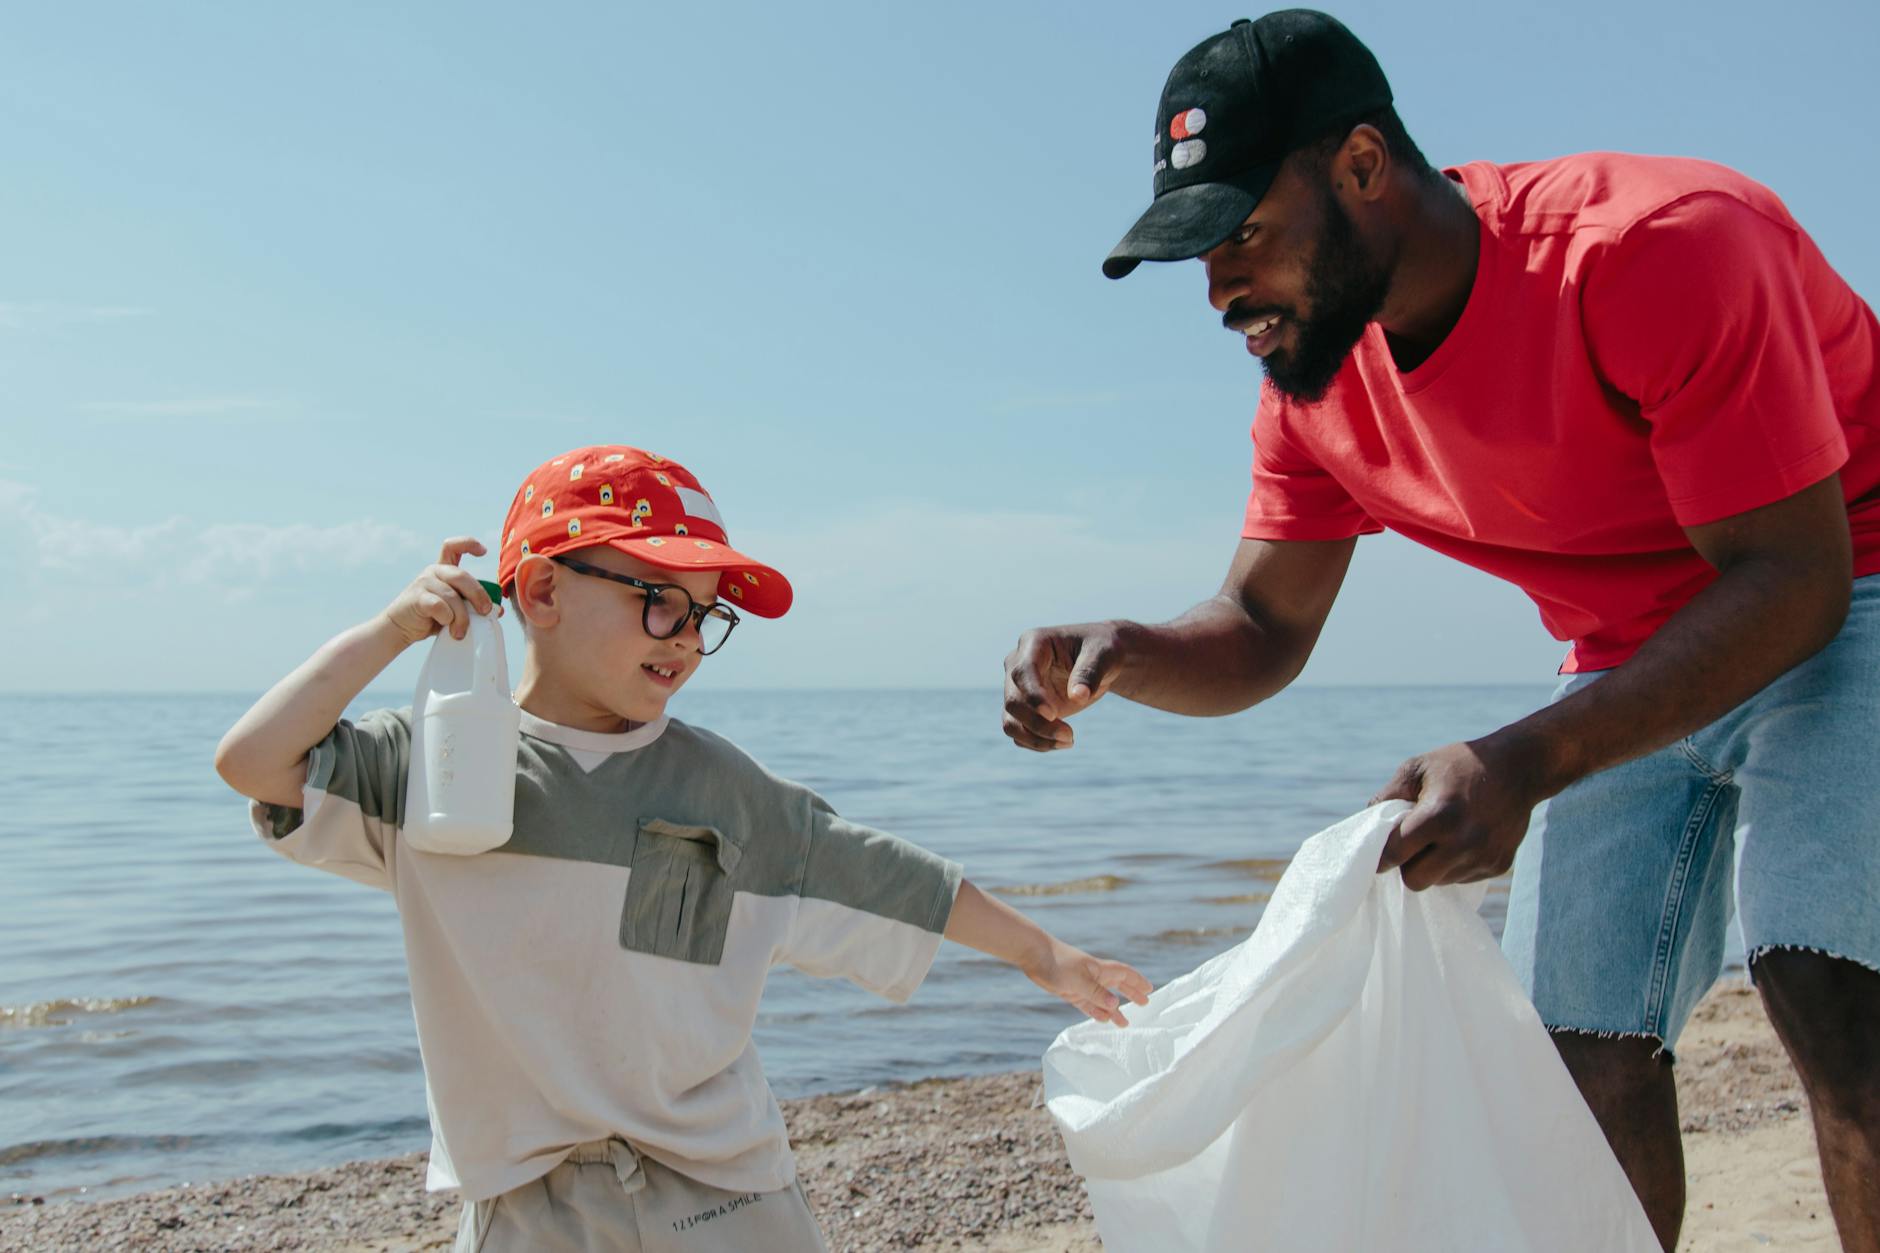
x: 1090, y: 983
x: 264, y: 755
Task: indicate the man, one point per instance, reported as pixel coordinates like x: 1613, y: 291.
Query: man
x: 1633, y: 387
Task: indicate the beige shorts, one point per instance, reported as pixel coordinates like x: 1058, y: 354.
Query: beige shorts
x: 606, y: 1198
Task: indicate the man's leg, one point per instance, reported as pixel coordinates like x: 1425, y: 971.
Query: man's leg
x: 1617, y: 919
x: 1628, y: 1085
x: 1827, y: 1013
x: 1802, y: 752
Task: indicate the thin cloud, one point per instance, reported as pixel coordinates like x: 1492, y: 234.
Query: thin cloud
x: 920, y: 592
x: 20, y: 315
x: 189, y: 407
x: 271, y: 552
x: 59, y: 550
x: 938, y: 557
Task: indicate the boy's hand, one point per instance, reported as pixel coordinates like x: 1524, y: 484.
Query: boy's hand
x: 991, y: 926
x: 1089, y: 983
x: 264, y: 755
x: 442, y: 597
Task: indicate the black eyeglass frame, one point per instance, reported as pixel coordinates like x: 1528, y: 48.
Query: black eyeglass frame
x: 695, y: 613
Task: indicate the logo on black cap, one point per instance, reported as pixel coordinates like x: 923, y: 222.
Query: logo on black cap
x: 1260, y: 89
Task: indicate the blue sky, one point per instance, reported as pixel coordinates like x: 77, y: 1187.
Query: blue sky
x: 292, y: 292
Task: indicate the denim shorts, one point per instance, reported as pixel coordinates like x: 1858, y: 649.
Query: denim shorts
x: 1624, y: 888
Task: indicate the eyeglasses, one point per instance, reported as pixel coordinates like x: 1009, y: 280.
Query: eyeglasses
x: 668, y: 607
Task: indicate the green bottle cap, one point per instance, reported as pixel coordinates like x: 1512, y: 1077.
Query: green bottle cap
x: 494, y: 589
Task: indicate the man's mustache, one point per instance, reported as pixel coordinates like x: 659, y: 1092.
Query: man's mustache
x: 1239, y: 317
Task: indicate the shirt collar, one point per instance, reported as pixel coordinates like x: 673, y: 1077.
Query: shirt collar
x: 593, y: 741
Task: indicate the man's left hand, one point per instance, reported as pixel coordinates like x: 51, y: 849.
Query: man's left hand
x: 1472, y: 804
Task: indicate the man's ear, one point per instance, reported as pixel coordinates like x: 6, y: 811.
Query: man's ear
x: 537, y: 594
x: 1363, y: 163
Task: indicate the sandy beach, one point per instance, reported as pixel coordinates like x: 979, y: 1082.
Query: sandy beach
x: 973, y: 1164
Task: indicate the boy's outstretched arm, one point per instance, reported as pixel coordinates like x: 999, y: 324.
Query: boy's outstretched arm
x: 1090, y: 983
x: 264, y: 755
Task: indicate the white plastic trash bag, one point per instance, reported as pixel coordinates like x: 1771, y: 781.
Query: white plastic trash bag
x: 1363, y: 1073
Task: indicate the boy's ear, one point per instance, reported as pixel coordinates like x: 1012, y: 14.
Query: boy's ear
x: 535, y: 593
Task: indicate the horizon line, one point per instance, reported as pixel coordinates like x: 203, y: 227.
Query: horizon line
x: 1319, y: 684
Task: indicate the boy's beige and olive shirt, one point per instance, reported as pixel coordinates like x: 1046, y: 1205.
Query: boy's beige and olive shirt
x: 598, y: 976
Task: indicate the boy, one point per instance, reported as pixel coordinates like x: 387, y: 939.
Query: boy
x: 584, y: 994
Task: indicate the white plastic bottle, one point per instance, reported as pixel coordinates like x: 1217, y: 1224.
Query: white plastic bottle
x: 465, y: 727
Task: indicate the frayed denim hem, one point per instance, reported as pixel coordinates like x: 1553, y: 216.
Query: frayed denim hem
x: 1661, y: 1051
x: 1756, y: 954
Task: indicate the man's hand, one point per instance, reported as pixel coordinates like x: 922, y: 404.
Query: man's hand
x: 1234, y: 649
x: 1053, y: 673
x: 1086, y: 982
x: 1472, y: 805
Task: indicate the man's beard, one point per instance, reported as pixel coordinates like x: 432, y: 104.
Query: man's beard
x: 1344, y: 290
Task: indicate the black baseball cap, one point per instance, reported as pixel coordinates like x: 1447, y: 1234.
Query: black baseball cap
x: 1232, y: 109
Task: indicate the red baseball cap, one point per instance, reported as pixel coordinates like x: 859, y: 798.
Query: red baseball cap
x: 643, y: 505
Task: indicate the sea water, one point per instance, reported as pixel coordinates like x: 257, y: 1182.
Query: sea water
x: 179, y: 1003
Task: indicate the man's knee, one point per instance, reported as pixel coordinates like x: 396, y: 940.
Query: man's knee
x: 1628, y: 1076
x: 1624, y: 1061
x: 1827, y: 1012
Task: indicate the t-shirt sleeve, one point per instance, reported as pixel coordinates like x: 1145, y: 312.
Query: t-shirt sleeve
x: 1293, y: 497
x: 872, y: 908
x: 353, y: 803
x: 1699, y: 313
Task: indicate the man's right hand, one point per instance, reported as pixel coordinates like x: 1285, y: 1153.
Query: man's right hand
x: 1056, y: 672
x: 1232, y: 650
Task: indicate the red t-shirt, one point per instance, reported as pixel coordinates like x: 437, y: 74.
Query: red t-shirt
x: 1651, y: 343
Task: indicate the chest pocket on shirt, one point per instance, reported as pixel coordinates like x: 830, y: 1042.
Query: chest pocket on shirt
x: 679, y: 891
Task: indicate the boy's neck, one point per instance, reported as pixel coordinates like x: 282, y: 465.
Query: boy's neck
x: 539, y: 695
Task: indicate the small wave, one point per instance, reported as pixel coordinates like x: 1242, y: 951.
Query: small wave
x: 87, y: 1146
x: 390, y: 1128
x: 1198, y: 935
x: 1239, y: 898
x: 61, y: 1012
x: 17, y: 1160
x: 201, y: 1072
x: 1267, y: 868
x: 1095, y: 883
